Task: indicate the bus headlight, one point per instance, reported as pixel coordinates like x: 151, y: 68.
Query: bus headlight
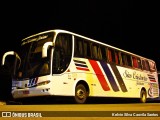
x: 43, y: 83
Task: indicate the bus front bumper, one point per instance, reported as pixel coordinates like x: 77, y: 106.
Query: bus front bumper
x: 32, y: 92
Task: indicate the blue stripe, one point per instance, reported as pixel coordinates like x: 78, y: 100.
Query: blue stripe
x: 109, y: 76
x: 81, y: 65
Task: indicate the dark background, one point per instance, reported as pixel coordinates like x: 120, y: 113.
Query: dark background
x: 129, y: 25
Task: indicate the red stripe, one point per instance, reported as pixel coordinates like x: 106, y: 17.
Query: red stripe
x: 85, y: 69
x: 99, y: 75
x: 153, y: 80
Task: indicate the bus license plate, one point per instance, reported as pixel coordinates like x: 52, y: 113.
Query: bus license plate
x: 26, y: 92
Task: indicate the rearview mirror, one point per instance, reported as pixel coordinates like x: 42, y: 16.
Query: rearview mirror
x: 45, y: 48
x: 10, y: 53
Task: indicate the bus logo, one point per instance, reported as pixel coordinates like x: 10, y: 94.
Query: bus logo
x: 33, y: 82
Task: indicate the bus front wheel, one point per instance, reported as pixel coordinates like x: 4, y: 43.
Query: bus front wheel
x: 81, y: 94
x: 143, y: 96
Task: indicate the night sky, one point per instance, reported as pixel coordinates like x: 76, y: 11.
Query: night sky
x: 129, y: 25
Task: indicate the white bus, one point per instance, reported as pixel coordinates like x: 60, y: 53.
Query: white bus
x: 62, y: 63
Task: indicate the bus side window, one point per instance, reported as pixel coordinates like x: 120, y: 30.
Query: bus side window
x: 103, y: 52
x: 129, y: 61
x: 95, y: 51
x: 57, y: 61
x: 126, y: 59
x: 62, y: 53
x: 117, y: 57
x: 123, y: 59
x: 139, y: 63
x: 135, y: 62
x: 152, y: 66
x: 78, y: 50
x: 111, y: 55
x: 87, y: 51
x: 145, y: 65
x: 99, y: 53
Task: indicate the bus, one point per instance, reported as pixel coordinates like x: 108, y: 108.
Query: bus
x: 63, y: 63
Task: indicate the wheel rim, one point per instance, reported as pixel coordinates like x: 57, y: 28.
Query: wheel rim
x: 80, y: 94
x: 143, y: 97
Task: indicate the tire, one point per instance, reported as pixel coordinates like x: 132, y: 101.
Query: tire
x: 143, y: 96
x: 81, y: 94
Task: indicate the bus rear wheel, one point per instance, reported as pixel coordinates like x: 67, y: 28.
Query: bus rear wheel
x: 81, y: 94
x: 143, y: 96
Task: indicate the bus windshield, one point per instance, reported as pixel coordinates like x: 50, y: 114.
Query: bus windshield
x: 33, y: 65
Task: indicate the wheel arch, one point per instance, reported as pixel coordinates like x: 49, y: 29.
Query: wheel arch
x: 143, y: 88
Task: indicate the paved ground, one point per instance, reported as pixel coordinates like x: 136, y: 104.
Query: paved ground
x: 2, y: 103
x: 68, y: 111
